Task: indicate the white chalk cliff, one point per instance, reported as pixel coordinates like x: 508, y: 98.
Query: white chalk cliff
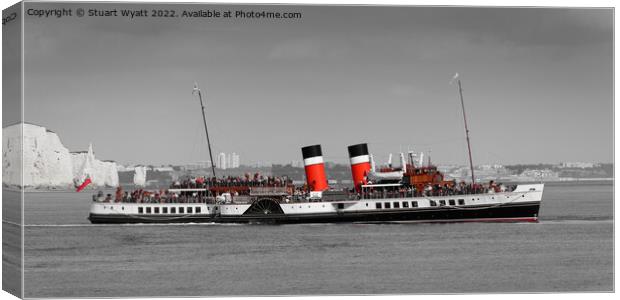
x: 47, y: 163
x: 101, y: 173
x: 139, y: 176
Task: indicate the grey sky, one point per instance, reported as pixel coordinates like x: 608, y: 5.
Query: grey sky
x: 537, y: 83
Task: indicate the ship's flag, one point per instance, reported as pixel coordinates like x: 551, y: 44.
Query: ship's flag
x: 84, y: 184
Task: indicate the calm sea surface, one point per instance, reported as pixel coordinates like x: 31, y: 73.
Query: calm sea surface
x: 571, y: 249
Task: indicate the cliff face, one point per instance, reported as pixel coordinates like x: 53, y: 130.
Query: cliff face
x: 46, y: 161
x: 101, y: 173
x: 139, y: 176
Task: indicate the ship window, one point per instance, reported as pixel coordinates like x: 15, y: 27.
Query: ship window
x: 197, y: 210
x: 140, y: 210
x: 181, y: 210
x: 340, y: 205
x: 386, y: 204
x: 414, y: 203
x: 164, y: 210
x: 432, y: 202
x: 156, y: 210
x: 378, y: 204
x: 366, y: 205
x: 461, y: 201
x: 396, y: 205
x: 405, y: 204
x: 173, y: 210
x: 189, y: 210
x: 442, y: 202
x: 148, y: 210
x: 451, y: 202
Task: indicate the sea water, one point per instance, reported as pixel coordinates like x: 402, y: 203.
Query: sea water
x: 570, y: 249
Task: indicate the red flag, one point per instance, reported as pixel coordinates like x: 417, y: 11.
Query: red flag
x: 84, y: 184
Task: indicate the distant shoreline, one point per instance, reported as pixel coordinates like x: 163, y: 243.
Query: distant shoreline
x: 59, y: 190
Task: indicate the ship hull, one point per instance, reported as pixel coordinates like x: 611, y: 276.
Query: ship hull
x: 521, y: 205
x: 521, y: 212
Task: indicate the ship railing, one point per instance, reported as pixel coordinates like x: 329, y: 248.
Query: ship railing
x: 269, y: 191
x: 396, y: 191
x: 152, y: 200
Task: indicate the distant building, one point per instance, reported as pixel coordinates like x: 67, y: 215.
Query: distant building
x: 235, y: 160
x: 580, y: 165
x: 542, y: 174
x: 163, y: 169
x: 221, y: 161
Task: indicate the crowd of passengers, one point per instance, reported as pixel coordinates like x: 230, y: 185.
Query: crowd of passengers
x: 256, y: 180
x: 145, y: 196
x: 446, y: 189
x: 297, y: 193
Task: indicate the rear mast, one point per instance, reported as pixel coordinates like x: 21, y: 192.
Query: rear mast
x: 471, y: 163
x: 204, y: 119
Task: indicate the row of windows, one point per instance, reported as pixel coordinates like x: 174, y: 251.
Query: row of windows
x: 451, y: 202
x: 173, y: 210
x: 405, y: 204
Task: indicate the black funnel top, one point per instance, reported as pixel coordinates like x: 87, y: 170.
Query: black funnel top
x: 311, y: 151
x: 357, y: 150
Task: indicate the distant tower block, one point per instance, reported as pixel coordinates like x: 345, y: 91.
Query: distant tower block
x: 360, y: 164
x: 315, y: 167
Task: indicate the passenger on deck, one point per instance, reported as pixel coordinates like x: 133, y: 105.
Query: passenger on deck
x: 118, y: 197
x: 428, y: 190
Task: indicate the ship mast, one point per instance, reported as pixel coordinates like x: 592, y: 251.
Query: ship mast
x: 471, y: 163
x: 204, y: 119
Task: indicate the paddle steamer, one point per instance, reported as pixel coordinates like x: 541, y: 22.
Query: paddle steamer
x: 413, y: 192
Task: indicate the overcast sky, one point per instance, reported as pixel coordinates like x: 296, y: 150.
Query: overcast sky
x: 537, y: 83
